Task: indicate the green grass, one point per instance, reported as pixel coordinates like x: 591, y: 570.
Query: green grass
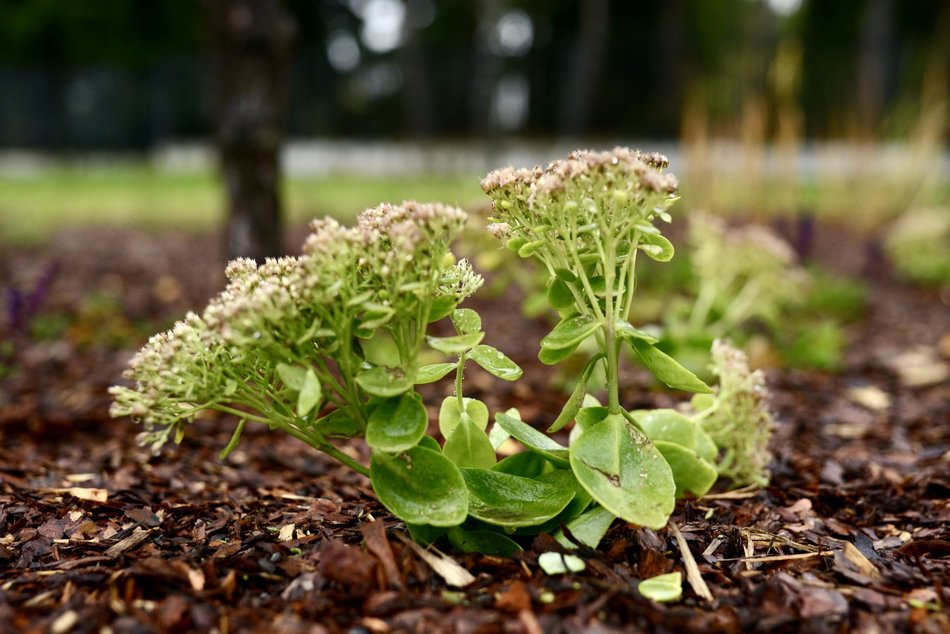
x: 33, y: 207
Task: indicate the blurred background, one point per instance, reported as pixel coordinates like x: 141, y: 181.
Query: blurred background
x: 119, y: 111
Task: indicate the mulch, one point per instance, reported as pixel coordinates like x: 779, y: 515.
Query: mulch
x: 98, y: 535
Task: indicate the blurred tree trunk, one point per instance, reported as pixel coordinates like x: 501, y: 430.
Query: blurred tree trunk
x: 873, y: 57
x: 588, y: 59
x: 252, y: 43
x: 485, y: 69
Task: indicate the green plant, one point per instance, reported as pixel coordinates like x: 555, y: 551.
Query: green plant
x: 327, y: 345
x: 585, y: 219
x: 918, y: 243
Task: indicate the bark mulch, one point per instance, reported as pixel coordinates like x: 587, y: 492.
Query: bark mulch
x: 97, y: 535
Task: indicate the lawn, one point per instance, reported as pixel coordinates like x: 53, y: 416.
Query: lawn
x: 35, y: 205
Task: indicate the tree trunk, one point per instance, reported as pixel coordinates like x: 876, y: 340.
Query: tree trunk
x: 252, y: 42
x: 875, y: 50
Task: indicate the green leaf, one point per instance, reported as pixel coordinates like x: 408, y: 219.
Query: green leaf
x: 573, y: 404
x: 563, y: 478
x: 690, y: 472
x: 376, y: 316
x: 466, y: 321
x: 668, y: 371
x: 530, y: 248
x: 550, y: 356
x: 565, y: 274
x: 468, y: 446
x: 310, y: 393
x: 514, y: 244
x: 441, y: 307
x: 705, y: 447
x: 507, y: 500
x: 628, y: 331
x: 483, y: 541
x: 384, y: 382
x: 495, y: 362
x: 456, y: 344
x: 420, y: 486
x: 588, y: 528
x: 338, y: 424
x: 586, y: 417
x: 656, y: 247
x: 291, y: 375
x: 624, y: 472
x: 424, y: 533
x: 433, y: 372
x: 449, y: 414
x: 663, y: 588
x: 397, y: 424
x: 526, y: 464
x: 571, y: 332
x: 701, y: 402
x: 428, y: 442
x: 559, y: 294
x: 533, y: 439
x: 666, y: 424
x: 380, y: 349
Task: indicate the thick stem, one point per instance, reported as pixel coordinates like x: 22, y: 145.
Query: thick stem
x: 612, y: 352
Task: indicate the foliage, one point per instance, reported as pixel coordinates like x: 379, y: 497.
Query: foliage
x: 327, y: 345
x: 745, y: 281
x: 918, y: 243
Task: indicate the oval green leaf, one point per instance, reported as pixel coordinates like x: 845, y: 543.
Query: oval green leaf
x: 690, y: 472
x: 559, y: 294
x: 449, y: 414
x: 666, y: 369
x: 550, y: 356
x: 507, y: 500
x: 666, y: 424
x: 526, y: 464
x: 588, y: 528
x: 628, y: 331
x: 496, y: 363
x: 291, y: 375
x: 533, y: 439
x: 338, y: 424
x: 311, y: 393
x: 420, y: 486
x: 624, y: 472
x: 384, y: 382
x: 397, y: 424
x: 433, y: 372
x: 456, y: 344
x: 656, y: 247
x: 466, y: 321
x: 441, y: 307
x: 571, y: 332
x: 468, y: 446
x: 484, y: 542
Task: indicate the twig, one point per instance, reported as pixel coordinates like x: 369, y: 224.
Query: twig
x: 692, y: 570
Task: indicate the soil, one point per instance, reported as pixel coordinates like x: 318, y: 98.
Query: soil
x: 98, y: 535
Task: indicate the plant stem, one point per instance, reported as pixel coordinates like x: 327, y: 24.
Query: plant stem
x: 458, y: 382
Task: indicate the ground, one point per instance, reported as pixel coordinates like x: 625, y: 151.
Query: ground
x: 95, y: 532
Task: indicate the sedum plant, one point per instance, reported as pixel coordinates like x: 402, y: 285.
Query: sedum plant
x: 918, y: 243
x: 327, y: 346
x: 586, y: 219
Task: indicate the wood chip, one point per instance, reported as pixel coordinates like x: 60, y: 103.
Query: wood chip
x: 374, y: 535
x: 692, y: 570
x: 137, y: 537
x: 82, y: 493
x: 444, y: 566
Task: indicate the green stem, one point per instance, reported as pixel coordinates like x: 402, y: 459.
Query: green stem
x: 460, y: 370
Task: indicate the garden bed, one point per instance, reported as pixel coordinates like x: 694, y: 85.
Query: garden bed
x: 94, y: 531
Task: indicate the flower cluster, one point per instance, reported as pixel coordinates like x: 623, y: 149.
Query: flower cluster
x: 739, y: 420
x: 586, y: 215
x: 303, y: 311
